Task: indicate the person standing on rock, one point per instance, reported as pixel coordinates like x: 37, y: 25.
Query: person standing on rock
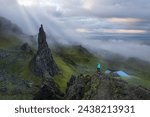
x: 98, y: 68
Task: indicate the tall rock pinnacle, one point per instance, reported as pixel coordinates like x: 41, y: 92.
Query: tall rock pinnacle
x: 42, y: 39
x: 43, y: 61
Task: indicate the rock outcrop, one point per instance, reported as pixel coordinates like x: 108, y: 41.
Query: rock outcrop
x: 81, y: 87
x: 49, y: 91
x: 26, y: 48
x: 43, y: 61
x: 94, y: 88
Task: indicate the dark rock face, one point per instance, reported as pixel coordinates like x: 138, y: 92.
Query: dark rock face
x: 92, y: 88
x: 42, y: 39
x: 49, y: 91
x: 43, y: 60
x: 3, y: 54
x: 26, y: 48
x: 77, y: 87
x: 75, y: 90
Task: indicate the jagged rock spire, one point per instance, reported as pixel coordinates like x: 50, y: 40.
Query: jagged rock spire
x: 42, y: 38
x: 43, y: 61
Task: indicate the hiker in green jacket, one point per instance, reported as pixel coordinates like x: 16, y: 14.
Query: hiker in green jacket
x: 98, y: 68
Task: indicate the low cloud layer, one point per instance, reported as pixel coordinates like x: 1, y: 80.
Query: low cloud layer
x: 122, y: 47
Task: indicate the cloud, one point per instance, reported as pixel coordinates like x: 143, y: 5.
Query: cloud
x: 119, y: 8
x: 125, y: 20
x: 88, y: 4
x: 80, y: 21
x: 82, y: 30
x: 27, y: 2
x: 124, y: 31
x: 121, y: 47
x: 94, y: 16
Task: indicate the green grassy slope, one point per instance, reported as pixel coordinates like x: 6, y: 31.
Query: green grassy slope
x: 73, y: 60
x: 7, y: 42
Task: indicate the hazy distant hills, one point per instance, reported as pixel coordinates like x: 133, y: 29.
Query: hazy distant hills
x: 6, y: 26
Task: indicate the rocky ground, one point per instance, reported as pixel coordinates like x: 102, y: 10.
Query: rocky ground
x: 97, y: 88
x: 12, y: 84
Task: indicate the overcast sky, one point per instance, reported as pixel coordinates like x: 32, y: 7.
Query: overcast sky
x: 80, y: 16
x: 79, y: 19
